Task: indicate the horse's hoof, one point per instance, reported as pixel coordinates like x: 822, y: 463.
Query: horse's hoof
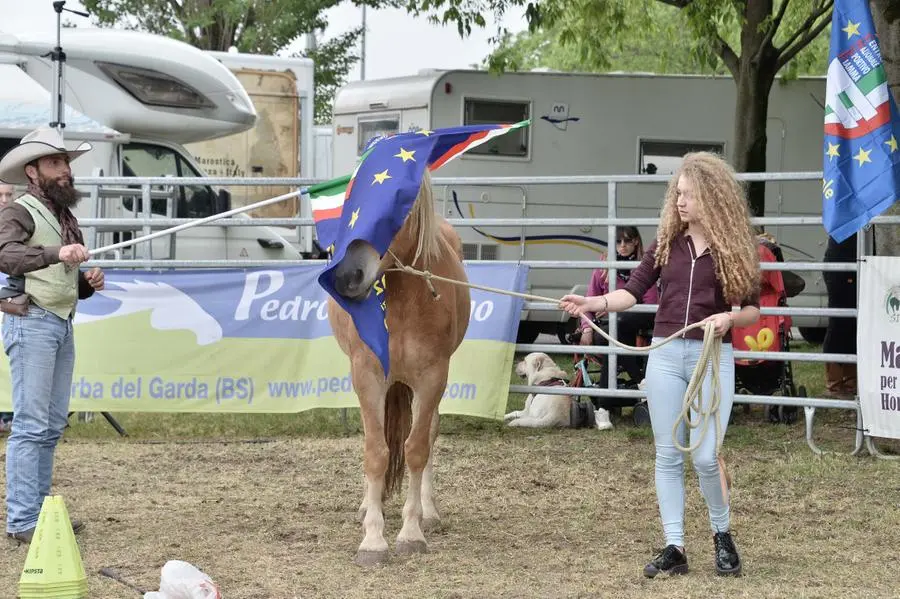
x: 431, y: 524
x: 410, y: 547
x: 371, y: 558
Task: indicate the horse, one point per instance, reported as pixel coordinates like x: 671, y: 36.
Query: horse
x: 400, y: 412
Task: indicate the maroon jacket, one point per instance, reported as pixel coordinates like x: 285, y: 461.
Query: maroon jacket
x: 690, y: 290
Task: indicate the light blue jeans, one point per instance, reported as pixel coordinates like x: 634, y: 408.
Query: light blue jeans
x: 41, y: 352
x: 669, y: 371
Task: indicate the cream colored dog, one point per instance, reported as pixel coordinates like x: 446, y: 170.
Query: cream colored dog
x: 543, y: 410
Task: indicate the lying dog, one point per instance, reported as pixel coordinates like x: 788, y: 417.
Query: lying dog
x: 545, y: 410
x: 542, y: 410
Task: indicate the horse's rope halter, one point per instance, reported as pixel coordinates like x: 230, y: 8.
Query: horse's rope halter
x: 693, y: 397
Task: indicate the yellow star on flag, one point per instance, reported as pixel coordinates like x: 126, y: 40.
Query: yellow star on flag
x: 424, y: 132
x: 851, y: 29
x: 833, y: 150
x: 381, y: 177
x: 353, y: 216
x: 405, y: 155
x: 863, y: 156
x: 892, y: 144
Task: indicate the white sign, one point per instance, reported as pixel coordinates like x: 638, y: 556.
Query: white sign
x: 878, y: 345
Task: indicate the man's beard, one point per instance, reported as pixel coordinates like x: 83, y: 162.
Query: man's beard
x: 64, y: 196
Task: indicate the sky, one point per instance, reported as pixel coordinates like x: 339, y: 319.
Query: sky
x: 432, y: 46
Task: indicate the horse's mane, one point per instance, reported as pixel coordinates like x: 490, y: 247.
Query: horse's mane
x: 424, y: 226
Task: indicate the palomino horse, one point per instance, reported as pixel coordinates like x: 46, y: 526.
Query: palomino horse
x: 400, y: 412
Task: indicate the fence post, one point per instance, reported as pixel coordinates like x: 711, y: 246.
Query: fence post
x: 611, y: 358
x: 147, y: 213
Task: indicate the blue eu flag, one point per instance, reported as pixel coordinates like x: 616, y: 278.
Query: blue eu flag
x: 861, y: 162
x: 378, y: 197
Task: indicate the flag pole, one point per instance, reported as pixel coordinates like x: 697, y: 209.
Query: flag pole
x: 197, y: 222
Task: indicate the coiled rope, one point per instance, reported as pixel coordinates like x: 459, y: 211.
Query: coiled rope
x: 693, y: 397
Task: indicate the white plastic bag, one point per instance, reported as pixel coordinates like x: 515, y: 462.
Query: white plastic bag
x: 181, y: 580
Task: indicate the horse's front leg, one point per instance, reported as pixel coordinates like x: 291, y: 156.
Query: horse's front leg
x: 374, y: 548
x: 417, y: 449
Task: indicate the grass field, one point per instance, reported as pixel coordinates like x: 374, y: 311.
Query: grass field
x: 266, y: 505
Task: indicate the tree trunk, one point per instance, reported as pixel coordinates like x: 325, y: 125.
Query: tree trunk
x: 754, y: 73
x: 886, y: 15
x: 751, y: 112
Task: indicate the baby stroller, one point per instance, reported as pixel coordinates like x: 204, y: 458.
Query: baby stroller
x: 769, y: 333
x: 588, y: 369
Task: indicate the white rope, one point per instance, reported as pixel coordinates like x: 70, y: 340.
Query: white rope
x: 693, y: 397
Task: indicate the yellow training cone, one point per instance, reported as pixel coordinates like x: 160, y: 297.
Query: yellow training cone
x: 53, y: 566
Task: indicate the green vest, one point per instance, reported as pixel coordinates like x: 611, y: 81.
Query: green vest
x: 51, y: 288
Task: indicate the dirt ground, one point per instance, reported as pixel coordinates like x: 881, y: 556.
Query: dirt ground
x: 525, y: 514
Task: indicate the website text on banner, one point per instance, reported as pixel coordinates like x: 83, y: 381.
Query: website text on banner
x: 258, y: 340
x: 878, y: 343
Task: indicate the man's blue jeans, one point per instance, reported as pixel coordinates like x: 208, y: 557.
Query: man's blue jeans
x: 41, y: 352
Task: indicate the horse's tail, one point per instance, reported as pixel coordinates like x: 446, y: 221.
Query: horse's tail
x: 397, y: 424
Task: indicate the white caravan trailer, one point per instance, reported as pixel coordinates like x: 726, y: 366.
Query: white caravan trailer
x: 588, y: 124
x: 138, y: 98
x: 322, y: 142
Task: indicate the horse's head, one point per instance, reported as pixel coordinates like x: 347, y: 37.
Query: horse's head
x: 419, y: 236
x: 359, y: 268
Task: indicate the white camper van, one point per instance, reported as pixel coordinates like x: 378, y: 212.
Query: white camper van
x: 588, y: 124
x: 138, y: 99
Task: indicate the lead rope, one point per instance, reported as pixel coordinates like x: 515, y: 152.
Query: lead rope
x: 693, y: 397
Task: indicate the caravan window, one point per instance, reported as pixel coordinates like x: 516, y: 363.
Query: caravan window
x: 148, y: 160
x: 487, y: 112
x: 664, y: 157
x: 371, y: 127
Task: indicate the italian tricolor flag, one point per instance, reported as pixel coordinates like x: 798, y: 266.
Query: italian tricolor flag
x: 327, y: 199
x: 855, y: 108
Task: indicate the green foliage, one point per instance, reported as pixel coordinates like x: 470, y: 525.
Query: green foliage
x: 333, y: 61
x: 559, y: 47
x: 647, y: 36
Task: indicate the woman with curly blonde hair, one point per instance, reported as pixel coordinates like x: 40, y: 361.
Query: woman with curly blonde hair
x: 706, y: 260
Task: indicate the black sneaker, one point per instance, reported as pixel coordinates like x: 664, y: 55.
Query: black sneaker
x: 728, y: 562
x: 669, y: 561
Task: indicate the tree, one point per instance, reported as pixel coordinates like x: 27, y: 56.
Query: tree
x: 255, y: 26
x: 886, y: 15
x: 332, y: 62
x: 753, y: 39
x: 636, y: 52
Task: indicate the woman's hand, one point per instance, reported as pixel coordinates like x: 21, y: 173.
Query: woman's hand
x: 722, y: 321
x: 576, y: 305
x: 587, y: 336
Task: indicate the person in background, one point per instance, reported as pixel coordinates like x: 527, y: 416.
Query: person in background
x: 840, y: 336
x: 629, y: 248
x: 7, y: 192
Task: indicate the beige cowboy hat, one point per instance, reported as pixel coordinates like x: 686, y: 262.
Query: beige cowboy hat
x: 43, y: 141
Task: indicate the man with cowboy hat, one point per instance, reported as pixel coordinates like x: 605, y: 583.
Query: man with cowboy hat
x: 41, y: 248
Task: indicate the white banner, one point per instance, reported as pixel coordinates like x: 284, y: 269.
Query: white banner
x: 878, y: 345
